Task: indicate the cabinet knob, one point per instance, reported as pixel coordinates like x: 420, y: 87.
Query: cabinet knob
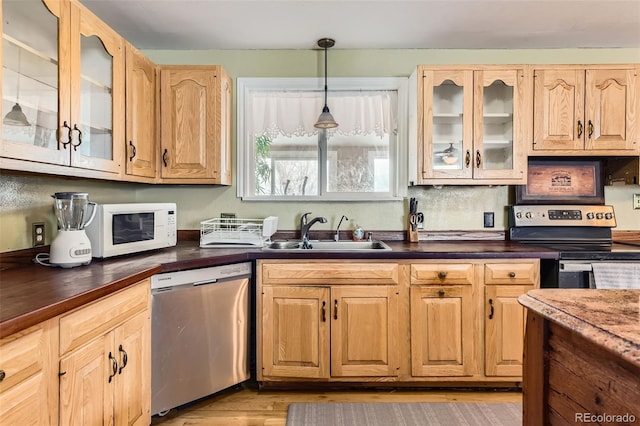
x: 580, y: 128
x: 440, y: 293
x: 442, y: 275
x: 2, y: 375
x: 512, y: 274
x: 490, y: 308
x: 335, y: 309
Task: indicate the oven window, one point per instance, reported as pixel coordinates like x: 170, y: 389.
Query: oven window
x: 133, y: 227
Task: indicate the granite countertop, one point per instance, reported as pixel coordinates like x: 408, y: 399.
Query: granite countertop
x: 608, y: 318
x: 33, y: 293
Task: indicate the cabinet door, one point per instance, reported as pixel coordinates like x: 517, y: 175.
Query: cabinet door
x: 132, y: 384
x: 499, y: 150
x: 295, y: 331
x: 96, y: 92
x: 34, y: 41
x: 504, y: 329
x: 188, y: 137
x: 611, y: 109
x: 141, y: 145
x: 447, y: 119
x: 86, y: 378
x: 442, y: 331
x: 364, y: 331
x: 558, y: 109
x: 29, y: 383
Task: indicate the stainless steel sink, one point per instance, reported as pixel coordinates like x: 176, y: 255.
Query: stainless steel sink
x: 329, y: 246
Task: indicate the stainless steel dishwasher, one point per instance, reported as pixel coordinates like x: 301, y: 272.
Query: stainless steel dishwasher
x: 199, y: 333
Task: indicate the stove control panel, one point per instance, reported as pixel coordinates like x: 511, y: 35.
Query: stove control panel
x: 550, y: 215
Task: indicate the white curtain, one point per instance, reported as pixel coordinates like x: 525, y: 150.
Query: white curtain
x: 294, y: 113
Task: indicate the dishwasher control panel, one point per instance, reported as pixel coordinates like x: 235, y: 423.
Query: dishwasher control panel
x: 200, y: 276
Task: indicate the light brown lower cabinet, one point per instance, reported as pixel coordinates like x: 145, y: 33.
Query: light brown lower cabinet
x: 429, y: 321
x: 88, y: 366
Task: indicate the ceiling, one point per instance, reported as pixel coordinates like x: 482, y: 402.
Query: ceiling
x: 377, y: 24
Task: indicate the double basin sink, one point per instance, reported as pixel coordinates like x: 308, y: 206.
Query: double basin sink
x: 323, y: 245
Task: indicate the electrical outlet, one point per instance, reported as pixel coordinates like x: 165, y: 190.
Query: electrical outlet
x: 488, y: 219
x: 636, y: 201
x: 37, y: 234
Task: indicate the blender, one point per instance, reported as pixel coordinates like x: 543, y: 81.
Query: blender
x: 71, y: 246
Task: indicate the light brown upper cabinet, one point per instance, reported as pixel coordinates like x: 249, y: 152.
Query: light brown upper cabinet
x: 64, y: 69
x: 472, y: 124
x: 141, y: 118
x: 586, y: 110
x: 195, y: 108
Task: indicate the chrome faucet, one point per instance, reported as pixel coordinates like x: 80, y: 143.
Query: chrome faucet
x: 305, y: 226
x: 336, y: 236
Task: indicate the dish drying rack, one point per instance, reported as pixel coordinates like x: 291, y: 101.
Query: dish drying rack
x: 232, y: 232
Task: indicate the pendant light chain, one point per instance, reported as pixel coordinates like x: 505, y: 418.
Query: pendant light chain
x: 325, y: 121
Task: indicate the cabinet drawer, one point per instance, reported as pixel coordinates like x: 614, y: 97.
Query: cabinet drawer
x: 511, y: 273
x: 330, y: 273
x: 99, y: 317
x: 442, y: 273
x: 21, y: 355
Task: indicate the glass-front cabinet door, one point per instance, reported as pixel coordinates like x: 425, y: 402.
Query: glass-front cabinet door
x: 474, y: 125
x: 30, y: 83
x: 497, y: 104
x: 448, y: 124
x: 62, y: 86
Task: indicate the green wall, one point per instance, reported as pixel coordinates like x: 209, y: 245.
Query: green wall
x: 25, y: 199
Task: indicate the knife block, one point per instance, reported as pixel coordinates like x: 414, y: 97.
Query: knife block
x: 412, y: 236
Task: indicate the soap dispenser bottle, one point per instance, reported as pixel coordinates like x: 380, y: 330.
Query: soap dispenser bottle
x: 358, y: 233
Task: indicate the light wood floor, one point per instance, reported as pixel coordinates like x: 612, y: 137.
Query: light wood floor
x: 251, y: 407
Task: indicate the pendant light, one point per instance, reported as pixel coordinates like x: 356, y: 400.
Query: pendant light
x: 325, y: 121
x: 16, y: 117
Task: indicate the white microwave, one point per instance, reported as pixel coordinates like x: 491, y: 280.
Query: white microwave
x: 119, y: 229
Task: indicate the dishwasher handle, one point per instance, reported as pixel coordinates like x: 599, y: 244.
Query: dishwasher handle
x: 205, y: 282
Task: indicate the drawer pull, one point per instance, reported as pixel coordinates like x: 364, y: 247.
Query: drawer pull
x: 490, y: 308
x: 324, y: 311
x: 335, y: 309
x: 512, y: 274
x: 442, y: 275
x: 2, y: 375
x: 440, y: 293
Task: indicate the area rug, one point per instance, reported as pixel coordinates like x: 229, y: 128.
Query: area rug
x: 405, y: 414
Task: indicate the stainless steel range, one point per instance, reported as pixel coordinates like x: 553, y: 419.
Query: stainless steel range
x: 582, y: 234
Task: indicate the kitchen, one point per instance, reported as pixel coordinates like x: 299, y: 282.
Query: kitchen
x: 26, y: 197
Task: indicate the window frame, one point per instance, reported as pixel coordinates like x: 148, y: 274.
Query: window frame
x: 398, y: 150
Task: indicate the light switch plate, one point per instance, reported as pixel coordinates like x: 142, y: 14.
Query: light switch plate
x: 636, y: 201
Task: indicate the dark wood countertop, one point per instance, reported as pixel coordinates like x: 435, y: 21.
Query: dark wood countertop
x: 608, y: 318
x: 33, y: 293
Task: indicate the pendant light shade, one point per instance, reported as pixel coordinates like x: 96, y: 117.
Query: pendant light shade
x: 325, y: 121
x: 16, y: 117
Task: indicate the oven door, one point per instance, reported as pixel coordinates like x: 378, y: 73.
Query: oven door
x: 575, y: 274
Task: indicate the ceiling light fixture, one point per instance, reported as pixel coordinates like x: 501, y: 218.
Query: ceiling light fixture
x: 325, y: 121
x: 16, y: 117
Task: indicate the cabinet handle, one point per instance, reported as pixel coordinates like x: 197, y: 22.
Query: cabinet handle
x: 133, y: 151
x: 580, y: 128
x: 442, y: 275
x: 467, y: 159
x: 590, y: 129
x: 76, y: 145
x: 335, y: 309
x: 114, y: 367
x: 125, y: 359
x: 2, y: 375
x: 478, y: 159
x: 324, y: 311
x: 440, y: 293
x: 64, y: 144
x: 512, y: 274
x: 164, y: 157
x: 490, y: 308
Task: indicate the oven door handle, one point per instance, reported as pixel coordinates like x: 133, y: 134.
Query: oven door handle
x: 575, y: 267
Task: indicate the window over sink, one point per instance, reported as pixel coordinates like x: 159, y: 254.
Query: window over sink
x: 282, y: 156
